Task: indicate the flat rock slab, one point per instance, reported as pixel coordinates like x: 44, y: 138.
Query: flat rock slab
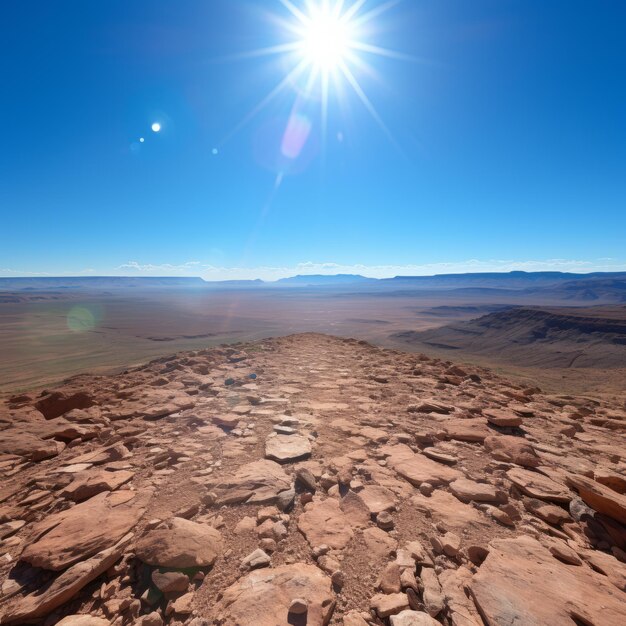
x: 443, y: 506
x: 512, y: 450
x: 259, y: 482
x: 539, y: 486
x: 473, y: 430
x: 67, y: 537
x: 324, y: 522
x: 378, y: 498
x: 600, y: 498
x: 417, y: 468
x: 27, y: 445
x: 503, y: 418
x: 466, y: 490
x: 63, y: 588
x: 183, y: 544
x: 263, y: 597
x: 95, y: 481
x: 287, y: 448
x: 518, y: 572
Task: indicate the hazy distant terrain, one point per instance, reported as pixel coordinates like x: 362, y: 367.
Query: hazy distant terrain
x: 51, y: 328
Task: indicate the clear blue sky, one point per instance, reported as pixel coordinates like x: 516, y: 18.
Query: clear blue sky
x: 507, y: 148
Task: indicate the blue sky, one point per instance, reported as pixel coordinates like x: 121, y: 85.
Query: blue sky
x: 505, y: 141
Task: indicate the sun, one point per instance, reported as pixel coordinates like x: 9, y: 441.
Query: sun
x: 326, y: 38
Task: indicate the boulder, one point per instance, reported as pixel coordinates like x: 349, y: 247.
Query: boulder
x: 600, y: 498
x: 512, y: 450
x: 539, y: 486
x: 417, y: 468
x: 91, y: 482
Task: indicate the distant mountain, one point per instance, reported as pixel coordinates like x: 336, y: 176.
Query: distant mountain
x: 537, y: 337
x: 322, y: 279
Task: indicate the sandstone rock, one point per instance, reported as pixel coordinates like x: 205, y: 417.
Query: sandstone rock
x: 170, y: 582
x: 389, y: 604
x: 259, y: 482
x: 379, y: 544
x: 377, y: 499
x: 473, y: 430
x: 512, y: 450
x: 549, y: 513
x: 539, y: 486
x: 355, y: 510
x: 67, y: 537
x: 600, y: 498
x: 63, y: 588
x: 255, y: 559
x: 287, y: 448
x: 467, y: 490
x: 417, y: 468
x: 83, y: 620
x: 95, y: 481
x: 183, y: 544
x: 324, y: 522
x: 501, y: 417
x: 264, y: 597
x: 433, y: 594
x: 518, y: 571
x: 461, y: 609
x: 412, y: 618
x: 27, y: 445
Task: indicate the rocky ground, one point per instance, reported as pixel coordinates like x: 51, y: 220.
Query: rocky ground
x: 310, y: 480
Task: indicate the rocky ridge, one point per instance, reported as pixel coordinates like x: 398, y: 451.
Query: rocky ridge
x: 310, y: 480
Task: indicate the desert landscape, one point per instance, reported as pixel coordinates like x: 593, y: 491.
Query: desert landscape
x: 312, y: 478
x: 312, y: 313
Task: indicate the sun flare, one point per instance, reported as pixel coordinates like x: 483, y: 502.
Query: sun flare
x: 326, y: 39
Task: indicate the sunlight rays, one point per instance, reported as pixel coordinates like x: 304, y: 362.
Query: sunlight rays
x: 326, y: 53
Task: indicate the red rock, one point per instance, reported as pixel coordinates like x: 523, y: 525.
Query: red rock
x: 67, y: 537
x: 539, y: 486
x: 519, y: 571
x: 417, y: 468
x: 512, y: 450
x: 324, y: 522
x: 264, y: 597
x: 600, y: 498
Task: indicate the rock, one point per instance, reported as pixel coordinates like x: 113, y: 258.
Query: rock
x: 433, y: 595
x: 354, y: 618
x: 170, y: 582
x: 324, y: 522
x: 473, y: 430
x: 608, y: 565
x: 412, y: 618
x: 306, y: 479
x: 83, y: 620
x: 446, y: 508
x: 549, y: 513
x: 512, y: 450
x: 467, y: 490
x: 226, y: 421
x: 538, y: 486
x: 461, y: 608
x: 355, y: 510
x: 389, y: 581
x: 63, y: 588
x: 27, y: 445
x: 264, y: 597
x: 95, y: 481
x: 389, y: 604
x: 184, y: 604
x: 377, y: 499
x: 259, y: 482
x: 600, y: 498
x: 258, y: 558
x: 152, y: 619
x: 182, y: 544
x: 287, y: 448
x: 379, y: 544
x: 503, y: 418
x: 298, y: 607
x: 384, y: 520
x: 70, y: 536
x: 518, y: 571
x: 418, y: 469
